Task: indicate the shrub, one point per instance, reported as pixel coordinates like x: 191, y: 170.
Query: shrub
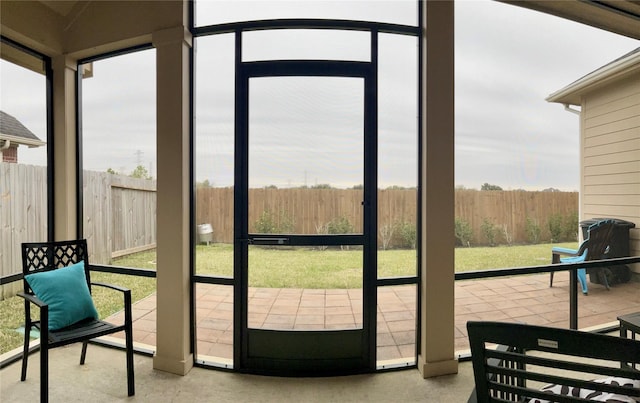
x: 386, y: 235
x: 266, y: 224
x: 556, y: 227
x: 508, y: 236
x: 407, y: 234
x: 489, y: 231
x: 463, y: 232
x: 533, y: 230
x: 272, y: 223
x: 340, y: 225
x: 571, y: 226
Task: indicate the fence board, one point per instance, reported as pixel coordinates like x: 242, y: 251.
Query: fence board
x: 314, y: 207
x: 23, y: 216
x: 119, y: 213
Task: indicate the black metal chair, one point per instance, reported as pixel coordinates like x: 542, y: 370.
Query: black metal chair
x: 49, y: 256
x: 543, y: 364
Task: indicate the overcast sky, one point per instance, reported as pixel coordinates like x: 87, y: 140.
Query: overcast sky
x: 508, y: 60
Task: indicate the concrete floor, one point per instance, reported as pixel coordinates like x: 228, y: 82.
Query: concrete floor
x: 103, y: 379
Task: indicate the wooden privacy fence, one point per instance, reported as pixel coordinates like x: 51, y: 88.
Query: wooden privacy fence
x: 509, y: 210
x: 119, y: 212
x: 310, y: 209
x: 23, y: 216
x: 119, y: 215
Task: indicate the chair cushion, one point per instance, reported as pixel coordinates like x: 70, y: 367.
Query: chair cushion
x: 593, y: 395
x: 66, y: 292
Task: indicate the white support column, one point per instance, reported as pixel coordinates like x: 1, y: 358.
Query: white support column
x: 64, y: 143
x: 173, y: 353
x: 438, y: 200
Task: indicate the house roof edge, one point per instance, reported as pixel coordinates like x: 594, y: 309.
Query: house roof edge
x: 571, y: 94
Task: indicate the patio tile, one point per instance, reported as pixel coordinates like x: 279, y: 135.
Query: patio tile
x: 311, y: 311
x: 388, y: 353
x: 337, y: 300
x: 355, y: 294
x: 385, y: 339
x: 217, y: 324
x: 277, y: 319
x: 308, y: 302
x: 138, y: 335
x: 336, y: 292
x: 401, y: 325
x: 148, y: 325
x: 518, y: 312
x: 256, y: 306
x: 388, y: 308
x: 290, y: 292
x: 307, y: 291
x: 408, y: 350
x: 528, y: 299
x: 309, y: 320
x: 340, y: 319
x: 225, y: 306
x: 557, y: 316
x: 338, y: 310
x: 212, y: 297
x: 206, y: 334
x: 481, y: 307
x: 220, y: 350
x: 304, y: 326
x: 484, y: 293
x: 287, y: 301
x: 399, y: 315
x: 504, y: 304
x: 150, y: 339
x: 256, y: 319
x: 266, y: 293
x: 496, y: 315
x: 405, y: 337
x: 226, y: 337
x: 542, y: 308
x: 281, y: 309
x: 468, y: 300
x: 382, y: 326
x: 342, y: 326
x: 216, y: 314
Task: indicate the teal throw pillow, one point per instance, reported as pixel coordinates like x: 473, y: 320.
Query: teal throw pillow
x: 65, y: 291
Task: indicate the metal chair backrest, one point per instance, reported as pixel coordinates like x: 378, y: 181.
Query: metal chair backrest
x: 45, y: 256
x: 599, y: 238
x: 535, y: 356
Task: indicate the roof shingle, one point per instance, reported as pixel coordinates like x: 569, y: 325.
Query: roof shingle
x: 11, y: 126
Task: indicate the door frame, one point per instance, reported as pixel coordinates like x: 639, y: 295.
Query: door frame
x: 266, y: 351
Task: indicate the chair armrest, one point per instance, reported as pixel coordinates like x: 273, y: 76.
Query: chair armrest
x: 33, y: 299
x: 126, y: 294
x: 556, y: 250
x: 112, y: 286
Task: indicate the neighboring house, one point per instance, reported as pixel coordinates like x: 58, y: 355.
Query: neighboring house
x: 609, y: 101
x: 13, y: 134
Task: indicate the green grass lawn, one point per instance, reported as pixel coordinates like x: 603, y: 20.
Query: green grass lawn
x: 292, y: 267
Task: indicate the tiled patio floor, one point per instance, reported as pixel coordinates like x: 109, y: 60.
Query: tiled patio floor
x: 527, y: 299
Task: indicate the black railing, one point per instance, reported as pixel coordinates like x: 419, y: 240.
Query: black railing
x: 552, y: 268
x: 469, y: 275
